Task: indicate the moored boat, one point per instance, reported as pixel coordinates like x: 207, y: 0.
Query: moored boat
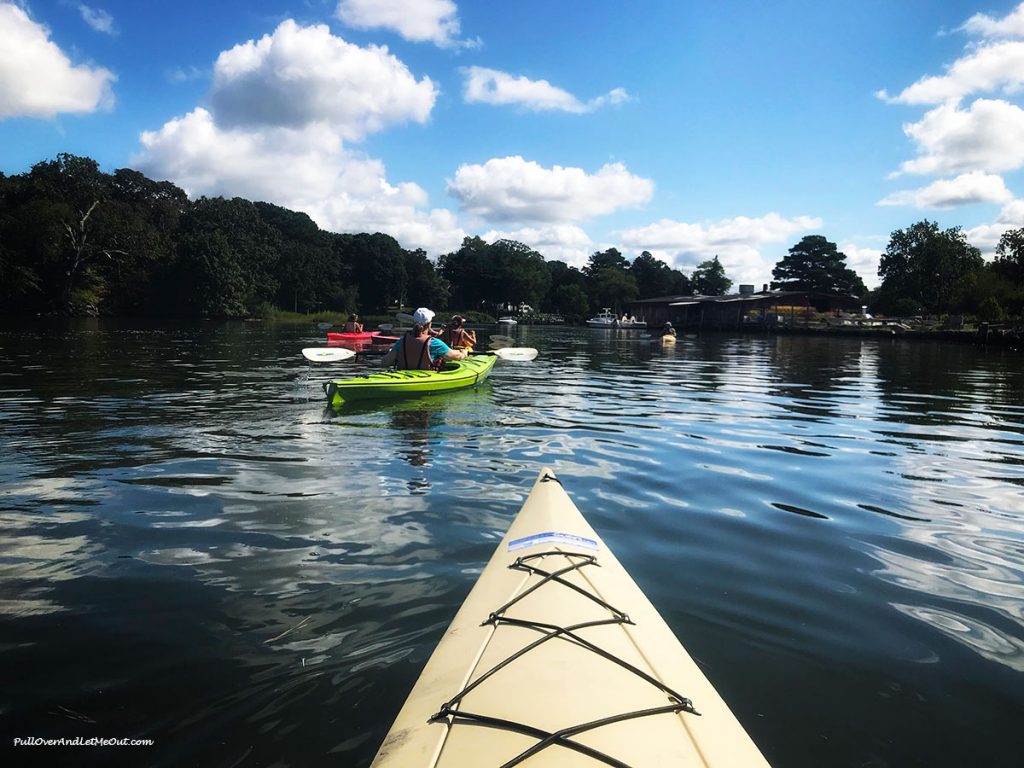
x: 607, y: 319
x: 458, y: 374
x: 628, y: 321
x: 604, y: 319
x: 557, y: 658
x: 507, y: 321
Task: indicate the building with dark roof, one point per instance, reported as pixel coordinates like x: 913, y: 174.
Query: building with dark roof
x: 739, y: 310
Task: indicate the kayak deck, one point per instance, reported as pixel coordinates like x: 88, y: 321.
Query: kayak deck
x: 558, y: 659
x: 455, y: 375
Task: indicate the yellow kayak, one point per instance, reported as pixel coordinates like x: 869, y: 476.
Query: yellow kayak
x: 557, y: 658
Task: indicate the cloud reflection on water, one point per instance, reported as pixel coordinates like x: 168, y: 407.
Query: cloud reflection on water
x: 843, y: 503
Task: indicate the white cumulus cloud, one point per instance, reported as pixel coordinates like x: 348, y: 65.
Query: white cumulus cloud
x: 1011, y: 25
x: 491, y: 86
x: 740, y: 243
x: 301, y: 75
x: 986, y: 236
x: 304, y: 169
x: 516, y: 190
x: 555, y: 242
x: 863, y: 261
x: 98, y: 19
x: 965, y: 189
x: 998, y: 67
x: 37, y: 79
x: 975, y: 125
x: 987, y: 136
x: 420, y: 21
x: 281, y: 111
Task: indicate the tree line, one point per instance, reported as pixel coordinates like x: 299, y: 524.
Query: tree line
x: 75, y: 240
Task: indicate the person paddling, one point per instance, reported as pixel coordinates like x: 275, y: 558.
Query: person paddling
x: 353, y: 325
x: 456, y: 336
x: 418, y: 349
x: 666, y: 330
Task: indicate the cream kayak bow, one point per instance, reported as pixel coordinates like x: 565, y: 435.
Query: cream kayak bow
x: 557, y: 658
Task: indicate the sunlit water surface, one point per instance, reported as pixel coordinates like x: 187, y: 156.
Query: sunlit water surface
x: 193, y: 550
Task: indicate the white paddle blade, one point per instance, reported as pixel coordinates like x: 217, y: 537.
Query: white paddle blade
x: 324, y: 326
x: 327, y: 354
x: 520, y: 354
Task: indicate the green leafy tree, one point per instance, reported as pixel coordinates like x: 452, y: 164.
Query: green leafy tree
x: 990, y: 309
x: 570, y: 301
x: 815, y: 264
x: 521, y: 272
x: 485, y: 275
x: 929, y: 266
x: 340, y: 292
x: 904, y: 307
x: 424, y: 286
x: 709, y: 278
x: 70, y: 193
x: 602, y: 260
x: 470, y: 274
x: 563, y: 275
x: 308, y: 275
x: 226, y: 258
x: 613, y: 286
x: 653, y: 276
x: 993, y: 282
x: 681, y: 285
x: 142, y: 219
x: 77, y: 240
x: 1009, y: 260
x: 609, y: 281
x: 378, y: 262
x: 21, y: 249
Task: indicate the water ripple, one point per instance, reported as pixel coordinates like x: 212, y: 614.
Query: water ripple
x: 841, y: 518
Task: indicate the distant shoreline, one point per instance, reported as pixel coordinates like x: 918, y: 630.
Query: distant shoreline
x: 987, y: 336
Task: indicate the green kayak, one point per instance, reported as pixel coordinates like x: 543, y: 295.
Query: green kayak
x: 455, y: 375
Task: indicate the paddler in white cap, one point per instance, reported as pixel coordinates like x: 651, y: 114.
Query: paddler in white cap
x: 419, y: 349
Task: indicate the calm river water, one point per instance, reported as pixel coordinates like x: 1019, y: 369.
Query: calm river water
x: 193, y: 550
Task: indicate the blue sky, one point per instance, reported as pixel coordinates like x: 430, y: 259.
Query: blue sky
x: 688, y: 129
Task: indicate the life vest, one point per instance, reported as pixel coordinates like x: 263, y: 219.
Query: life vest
x: 455, y: 338
x: 414, y: 355
x: 351, y: 327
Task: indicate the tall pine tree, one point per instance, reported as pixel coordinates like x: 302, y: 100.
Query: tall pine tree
x: 815, y: 264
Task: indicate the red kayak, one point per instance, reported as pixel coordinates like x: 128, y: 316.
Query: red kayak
x: 364, y: 336
x: 360, y: 342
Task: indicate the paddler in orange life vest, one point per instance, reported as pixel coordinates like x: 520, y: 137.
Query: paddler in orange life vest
x: 418, y: 349
x: 353, y: 325
x: 457, y: 337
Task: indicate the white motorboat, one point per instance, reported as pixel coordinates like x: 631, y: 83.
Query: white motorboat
x: 628, y: 321
x: 606, y: 319
x: 507, y: 321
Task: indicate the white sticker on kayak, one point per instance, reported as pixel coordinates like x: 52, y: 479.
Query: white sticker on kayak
x: 551, y: 537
